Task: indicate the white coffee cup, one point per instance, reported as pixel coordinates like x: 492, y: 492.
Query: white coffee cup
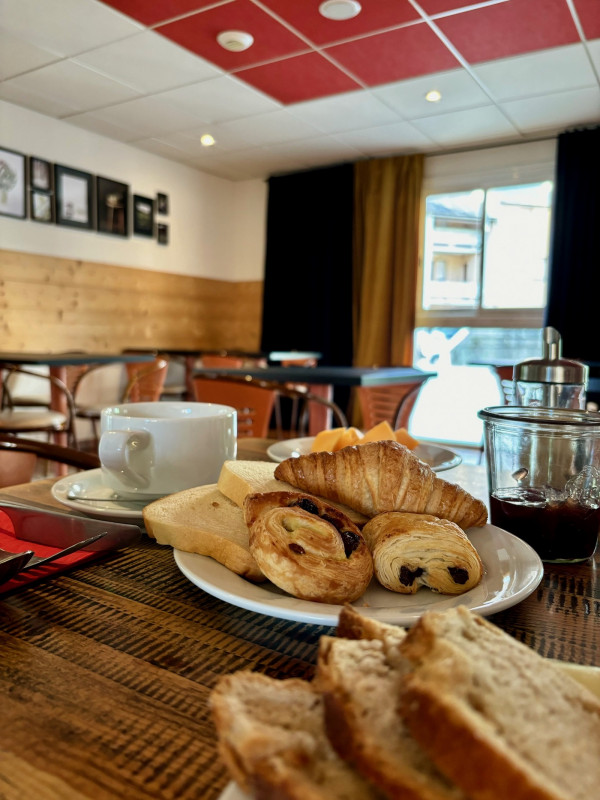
x: 154, y: 449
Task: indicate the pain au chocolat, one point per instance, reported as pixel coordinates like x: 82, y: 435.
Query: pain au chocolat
x: 382, y: 476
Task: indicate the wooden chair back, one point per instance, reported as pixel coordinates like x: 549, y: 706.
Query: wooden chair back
x: 19, y: 458
x: 379, y: 403
x: 230, y: 362
x: 146, y: 381
x: 254, y: 404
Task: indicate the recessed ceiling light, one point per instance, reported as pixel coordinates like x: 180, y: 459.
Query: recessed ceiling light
x: 206, y: 140
x: 433, y: 96
x: 235, y: 41
x: 340, y: 9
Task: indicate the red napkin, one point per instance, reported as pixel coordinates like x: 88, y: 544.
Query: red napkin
x: 10, y: 541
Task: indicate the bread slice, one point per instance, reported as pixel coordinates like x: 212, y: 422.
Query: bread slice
x: 497, y: 718
x: 240, y: 478
x: 272, y: 738
x: 361, y: 691
x: 202, y: 520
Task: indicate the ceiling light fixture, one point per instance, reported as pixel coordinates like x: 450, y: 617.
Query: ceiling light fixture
x: 206, y: 140
x: 433, y: 96
x: 235, y: 41
x: 340, y: 9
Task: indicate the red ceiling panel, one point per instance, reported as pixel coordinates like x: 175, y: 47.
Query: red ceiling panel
x: 509, y: 29
x: 588, y: 12
x: 157, y: 10
x: 375, y: 15
x: 198, y: 33
x: 396, y: 55
x: 441, y: 6
x: 304, y: 77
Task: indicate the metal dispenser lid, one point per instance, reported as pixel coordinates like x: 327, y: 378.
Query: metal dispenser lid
x: 551, y: 368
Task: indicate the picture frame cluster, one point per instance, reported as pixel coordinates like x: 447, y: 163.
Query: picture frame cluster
x: 34, y: 188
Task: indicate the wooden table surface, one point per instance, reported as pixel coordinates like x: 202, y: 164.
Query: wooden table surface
x: 105, y: 670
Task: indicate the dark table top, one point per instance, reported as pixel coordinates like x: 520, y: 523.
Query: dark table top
x: 70, y: 359
x: 337, y: 376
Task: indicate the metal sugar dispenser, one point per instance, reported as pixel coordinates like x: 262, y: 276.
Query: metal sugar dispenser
x: 551, y: 381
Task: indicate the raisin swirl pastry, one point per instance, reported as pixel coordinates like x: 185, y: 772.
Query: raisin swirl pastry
x: 413, y: 550
x: 307, y: 548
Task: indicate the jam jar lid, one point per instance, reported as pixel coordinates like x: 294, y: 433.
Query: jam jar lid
x: 541, y: 415
x: 551, y: 368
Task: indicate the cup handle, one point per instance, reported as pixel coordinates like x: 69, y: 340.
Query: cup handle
x: 128, y: 455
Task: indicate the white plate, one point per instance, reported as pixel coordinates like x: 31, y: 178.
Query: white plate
x: 77, y: 490
x: 512, y: 571
x: 438, y: 458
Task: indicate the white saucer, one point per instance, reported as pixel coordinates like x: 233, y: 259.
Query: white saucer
x: 83, y: 491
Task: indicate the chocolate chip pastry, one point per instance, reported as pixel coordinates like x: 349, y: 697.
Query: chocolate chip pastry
x: 414, y: 550
x: 307, y: 547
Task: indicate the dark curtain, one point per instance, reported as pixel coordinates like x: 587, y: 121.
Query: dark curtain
x: 575, y: 246
x: 307, y: 296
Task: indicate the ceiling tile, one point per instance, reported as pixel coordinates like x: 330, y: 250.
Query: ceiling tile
x: 33, y: 100
x: 17, y: 56
x: 220, y: 99
x: 344, y: 112
x: 537, y: 73
x: 594, y: 51
x: 265, y: 129
x: 551, y: 111
x: 588, y: 12
x: 402, y: 137
x: 403, y: 53
x: 299, y: 78
x: 432, y: 7
x: 374, y: 16
x: 74, y: 86
x: 458, y: 89
x: 480, y: 125
x: 73, y: 27
x: 149, y: 63
x: 95, y: 122
x: 509, y: 28
x: 157, y: 10
x: 198, y: 34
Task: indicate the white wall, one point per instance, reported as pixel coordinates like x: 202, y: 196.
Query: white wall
x: 216, y: 226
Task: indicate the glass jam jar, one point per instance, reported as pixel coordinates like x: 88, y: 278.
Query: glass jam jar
x: 543, y: 468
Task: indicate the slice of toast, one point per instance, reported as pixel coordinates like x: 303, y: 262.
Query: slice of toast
x: 240, y: 478
x: 202, y: 520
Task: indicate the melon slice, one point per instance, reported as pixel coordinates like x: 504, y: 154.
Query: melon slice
x: 378, y: 433
x: 326, y: 440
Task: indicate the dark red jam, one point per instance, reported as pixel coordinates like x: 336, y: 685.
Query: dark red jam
x: 560, y: 530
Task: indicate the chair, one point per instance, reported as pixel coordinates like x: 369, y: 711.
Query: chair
x: 379, y: 403
x: 19, y: 458
x: 296, y: 413
x: 505, y: 376
x: 16, y: 418
x: 231, y: 362
x: 143, y: 383
x: 254, y: 404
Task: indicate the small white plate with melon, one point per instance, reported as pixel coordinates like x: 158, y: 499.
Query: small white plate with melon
x: 438, y: 458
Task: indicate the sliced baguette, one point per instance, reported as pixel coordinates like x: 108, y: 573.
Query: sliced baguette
x: 272, y: 739
x: 498, y: 719
x: 204, y: 521
x: 241, y: 478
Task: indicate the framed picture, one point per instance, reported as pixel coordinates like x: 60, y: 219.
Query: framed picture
x: 162, y: 233
x: 12, y: 183
x: 162, y: 203
x: 40, y: 174
x: 112, y: 204
x: 41, y: 206
x: 74, y: 197
x: 143, y: 215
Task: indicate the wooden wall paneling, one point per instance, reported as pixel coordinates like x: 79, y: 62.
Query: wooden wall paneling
x: 55, y: 304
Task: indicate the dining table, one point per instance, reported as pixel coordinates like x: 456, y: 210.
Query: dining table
x: 107, y: 668
x: 322, y: 380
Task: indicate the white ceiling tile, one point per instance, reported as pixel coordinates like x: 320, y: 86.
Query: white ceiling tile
x: 458, y: 89
x: 147, y: 117
x: 162, y: 148
x: 221, y: 99
x: 318, y: 149
x: 93, y: 122
x: 65, y: 27
x: 548, y: 71
x: 265, y: 129
x: 17, y: 56
x: 594, y: 51
x: 472, y: 126
x: 344, y: 112
x: 551, y: 111
x: 72, y: 85
x: 400, y: 138
x: 33, y: 100
x: 148, y: 62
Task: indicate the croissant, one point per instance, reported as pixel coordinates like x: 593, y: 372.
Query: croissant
x: 307, y: 547
x: 413, y: 550
x: 382, y: 476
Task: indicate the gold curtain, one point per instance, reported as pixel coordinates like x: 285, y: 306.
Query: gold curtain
x: 387, y: 199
